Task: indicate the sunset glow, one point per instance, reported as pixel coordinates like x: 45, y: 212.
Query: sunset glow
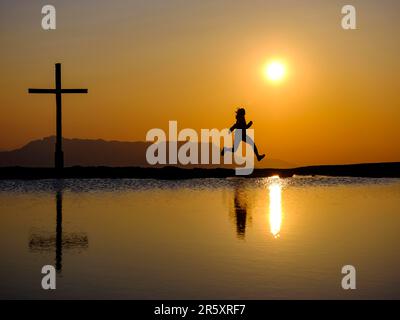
x: 313, y: 96
x: 275, y: 71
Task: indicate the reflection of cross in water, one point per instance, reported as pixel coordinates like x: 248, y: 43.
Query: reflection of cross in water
x: 43, y: 242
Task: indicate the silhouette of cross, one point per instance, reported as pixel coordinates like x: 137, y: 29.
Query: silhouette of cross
x: 58, y: 91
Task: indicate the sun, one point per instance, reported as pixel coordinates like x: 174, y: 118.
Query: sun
x: 275, y: 71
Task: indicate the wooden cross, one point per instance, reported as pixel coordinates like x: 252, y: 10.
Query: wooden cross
x: 58, y: 91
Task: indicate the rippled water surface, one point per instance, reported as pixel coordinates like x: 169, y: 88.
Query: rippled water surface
x: 201, y: 239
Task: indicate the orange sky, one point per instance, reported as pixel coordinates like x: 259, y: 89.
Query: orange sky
x: 148, y: 62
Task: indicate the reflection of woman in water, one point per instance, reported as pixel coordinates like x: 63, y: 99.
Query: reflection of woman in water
x: 242, y: 125
x: 240, y: 207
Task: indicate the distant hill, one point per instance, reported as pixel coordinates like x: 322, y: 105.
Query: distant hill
x: 86, y: 152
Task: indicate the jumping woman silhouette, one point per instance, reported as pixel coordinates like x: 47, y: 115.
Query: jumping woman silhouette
x: 242, y: 125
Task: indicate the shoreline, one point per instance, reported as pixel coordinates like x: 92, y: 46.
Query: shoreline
x: 367, y: 170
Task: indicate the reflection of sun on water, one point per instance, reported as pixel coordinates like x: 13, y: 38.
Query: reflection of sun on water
x: 275, y: 206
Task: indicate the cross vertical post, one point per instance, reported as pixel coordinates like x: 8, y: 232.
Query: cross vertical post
x: 59, y: 154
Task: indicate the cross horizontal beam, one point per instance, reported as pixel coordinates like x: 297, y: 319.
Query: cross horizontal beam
x: 41, y: 90
x: 55, y: 91
x: 74, y: 90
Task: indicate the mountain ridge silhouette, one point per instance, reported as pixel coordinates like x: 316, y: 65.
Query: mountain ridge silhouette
x: 97, y: 152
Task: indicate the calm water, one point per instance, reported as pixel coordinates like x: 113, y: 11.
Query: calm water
x: 201, y: 239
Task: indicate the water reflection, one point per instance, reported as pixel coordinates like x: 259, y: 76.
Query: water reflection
x: 150, y: 222
x: 44, y: 242
x: 243, y: 207
x: 275, y: 206
x: 240, y: 212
